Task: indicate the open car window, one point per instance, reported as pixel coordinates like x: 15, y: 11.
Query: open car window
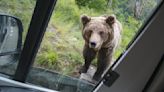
x: 12, y: 36
x: 60, y: 57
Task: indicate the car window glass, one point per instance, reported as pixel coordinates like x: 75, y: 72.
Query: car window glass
x: 75, y: 34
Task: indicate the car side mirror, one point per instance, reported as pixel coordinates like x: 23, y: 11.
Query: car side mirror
x: 10, y: 35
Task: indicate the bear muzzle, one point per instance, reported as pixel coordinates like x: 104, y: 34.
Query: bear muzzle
x: 92, y: 44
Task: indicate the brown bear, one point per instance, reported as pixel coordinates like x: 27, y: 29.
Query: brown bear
x: 101, y: 35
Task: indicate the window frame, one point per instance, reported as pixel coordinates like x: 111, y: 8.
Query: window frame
x: 39, y: 22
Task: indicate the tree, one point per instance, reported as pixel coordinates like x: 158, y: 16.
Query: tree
x: 143, y: 8
x: 138, y: 8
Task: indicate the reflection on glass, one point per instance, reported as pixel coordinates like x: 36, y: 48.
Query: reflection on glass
x: 9, y: 40
x: 8, y: 34
x: 60, y: 56
x: 11, y: 36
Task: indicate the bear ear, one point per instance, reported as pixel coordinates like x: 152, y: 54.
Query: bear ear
x: 85, y: 19
x: 110, y: 19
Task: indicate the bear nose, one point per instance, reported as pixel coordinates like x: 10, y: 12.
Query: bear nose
x: 93, y: 44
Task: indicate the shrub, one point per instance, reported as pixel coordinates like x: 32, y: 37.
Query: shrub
x: 94, y: 4
x: 49, y: 60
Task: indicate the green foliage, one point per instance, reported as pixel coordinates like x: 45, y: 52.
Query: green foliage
x: 47, y: 56
x: 68, y: 11
x: 93, y: 4
x: 48, y: 59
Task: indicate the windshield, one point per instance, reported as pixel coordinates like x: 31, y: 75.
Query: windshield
x: 64, y: 48
x: 82, y: 40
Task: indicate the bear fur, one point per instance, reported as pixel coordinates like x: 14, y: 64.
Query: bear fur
x: 102, y: 35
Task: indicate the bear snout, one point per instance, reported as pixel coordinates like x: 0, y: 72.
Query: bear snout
x: 93, y: 44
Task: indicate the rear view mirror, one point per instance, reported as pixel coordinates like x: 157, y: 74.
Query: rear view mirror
x: 10, y: 35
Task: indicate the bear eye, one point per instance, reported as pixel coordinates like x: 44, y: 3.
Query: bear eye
x: 101, y: 33
x: 90, y: 32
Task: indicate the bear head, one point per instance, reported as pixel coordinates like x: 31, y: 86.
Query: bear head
x: 97, y: 31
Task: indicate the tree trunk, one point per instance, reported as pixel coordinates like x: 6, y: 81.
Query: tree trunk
x: 138, y: 9
x: 109, y: 3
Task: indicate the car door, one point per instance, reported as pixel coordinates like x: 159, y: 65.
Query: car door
x: 138, y: 64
